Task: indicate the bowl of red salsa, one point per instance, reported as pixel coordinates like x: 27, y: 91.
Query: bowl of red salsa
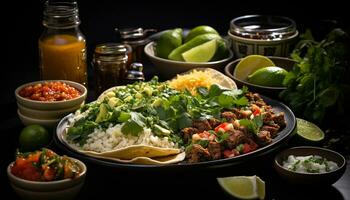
x: 46, y: 102
x: 51, y: 94
x: 45, y: 175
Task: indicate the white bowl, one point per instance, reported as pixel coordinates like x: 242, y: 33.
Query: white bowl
x: 46, y: 114
x: 49, y: 123
x: 55, y: 105
x: 51, y: 190
x: 169, y: 68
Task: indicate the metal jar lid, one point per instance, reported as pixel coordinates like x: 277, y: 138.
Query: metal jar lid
x: 263, y: 27
x: 111, y: 52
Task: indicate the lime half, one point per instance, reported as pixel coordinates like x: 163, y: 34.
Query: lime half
x: 309, y: 131
x: 243, y: 187
x: 250, y: 64
x: 201, y: 53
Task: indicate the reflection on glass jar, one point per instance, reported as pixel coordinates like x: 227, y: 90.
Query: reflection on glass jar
x: 62, y: 46
x: 110, y: 64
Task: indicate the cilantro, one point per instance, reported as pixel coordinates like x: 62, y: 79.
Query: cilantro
x: 134, y: 125
x: 253, y: 125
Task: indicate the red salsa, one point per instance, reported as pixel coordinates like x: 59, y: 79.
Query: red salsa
x: 50, y: 91
x: 44, y: 165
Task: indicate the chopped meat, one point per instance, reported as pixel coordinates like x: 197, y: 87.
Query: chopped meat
x: 214, y: 149
x: 229, y: 116
x: 272, y: 129
x: 279, y: 119
x: 241, y: 114
x: 214, y: 122
x: 268, y: 117
x: 260, y: 103
x: 235, y: 138
x: 197, y: 153
x: 187, y: 133
x: 264, y: 138
x: 202, y: 125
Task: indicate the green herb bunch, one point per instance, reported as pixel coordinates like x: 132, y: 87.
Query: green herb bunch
x: 319, y: 82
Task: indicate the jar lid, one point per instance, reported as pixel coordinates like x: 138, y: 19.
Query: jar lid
x: 263, y: 27
x: 112, y: 51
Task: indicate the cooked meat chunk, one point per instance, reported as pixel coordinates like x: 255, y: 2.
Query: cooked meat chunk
x: 268, y: 117
x: 197, y: 153
x: 264, y: 138
x: 241, y: 114
x: 187, y: 133
x: 235, y: 138
x: 202, y: 125
x: 229, y: 116
x: 214, y: 149
x: 279, y: 119
x: 214, y: 122
x: 272, y: 129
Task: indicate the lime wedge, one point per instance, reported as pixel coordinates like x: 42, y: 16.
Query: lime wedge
x: 201, y: 53
x: 243, y: 187
x: 199, y: 30
x: 268, y: 76
x: 309, y: 131
x: 250, y: 64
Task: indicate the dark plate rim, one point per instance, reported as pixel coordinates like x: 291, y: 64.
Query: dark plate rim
x: 282, y: 137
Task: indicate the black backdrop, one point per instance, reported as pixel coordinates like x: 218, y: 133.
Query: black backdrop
x: 22, y: 27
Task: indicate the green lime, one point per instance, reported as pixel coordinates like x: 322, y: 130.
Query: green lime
x: 243, y: 187
x: 176, y: 54
x: 221, y: 50
x: 309, y: 131
x: 33, y: 137
x: 249, y: 64
x: 268, y: 76
x: 199, y: 30
x: 168, y: 41
x: 201, y: 53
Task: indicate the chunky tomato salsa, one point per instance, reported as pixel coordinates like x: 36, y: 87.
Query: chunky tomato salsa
x: 44, y: 165
x: 50, y: 91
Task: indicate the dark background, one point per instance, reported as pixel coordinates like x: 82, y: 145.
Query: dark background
x: 99, y: 18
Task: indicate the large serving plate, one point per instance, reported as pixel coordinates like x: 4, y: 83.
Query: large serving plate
x: 279, y: 141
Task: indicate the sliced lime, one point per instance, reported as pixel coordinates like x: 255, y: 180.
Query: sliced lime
x: 268, y: 76
x: 199, y: 30
x: 243, y: 187
x: 250, y: 64
x: 309, y: 131
x: 201, y: 53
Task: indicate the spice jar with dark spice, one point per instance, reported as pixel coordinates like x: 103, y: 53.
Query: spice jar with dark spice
x: 110, y: 63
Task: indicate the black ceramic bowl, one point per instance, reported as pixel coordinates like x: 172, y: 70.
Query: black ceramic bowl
x: 272, y: 92
x: 327, y: 178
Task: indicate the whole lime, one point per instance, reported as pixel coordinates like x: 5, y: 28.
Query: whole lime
x: 33, y: 137
x: 268, y: 76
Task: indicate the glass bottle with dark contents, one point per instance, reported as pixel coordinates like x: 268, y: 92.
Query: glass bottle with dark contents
x: 110, y: 65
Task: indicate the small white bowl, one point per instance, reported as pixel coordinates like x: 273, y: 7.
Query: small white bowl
x: 170, y: 68
x: 51, y: 190
x: 55, y: 105
x: 46, y: 114
x: 49, y: 123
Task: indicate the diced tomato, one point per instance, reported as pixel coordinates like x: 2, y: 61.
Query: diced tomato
x: 223, y: 127
x: 257, y: 112
x: 49, y: 174
x: 230, y: 153
x: 249, y: 147
x: 34, y: 157
x: 204, y: 134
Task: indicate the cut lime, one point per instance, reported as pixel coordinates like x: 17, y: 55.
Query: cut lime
x: 309, y: 131
x: 199, y: 30
x: 243, y: 187
x: 268, y: 76
x: 201, y: 53
x: 250, y: 64
x: 176, y: 54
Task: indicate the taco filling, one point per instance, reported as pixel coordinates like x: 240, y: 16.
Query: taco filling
x: 153, y: 120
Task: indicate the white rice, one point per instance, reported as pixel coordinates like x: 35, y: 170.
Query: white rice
x: 113, y: 138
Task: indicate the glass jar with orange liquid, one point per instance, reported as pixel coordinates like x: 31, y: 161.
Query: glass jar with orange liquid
x: 62, y: 46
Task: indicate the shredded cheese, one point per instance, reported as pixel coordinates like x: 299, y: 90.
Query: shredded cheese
x: 193, y: 80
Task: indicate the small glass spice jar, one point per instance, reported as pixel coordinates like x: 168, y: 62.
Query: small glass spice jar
x: 110, y: 63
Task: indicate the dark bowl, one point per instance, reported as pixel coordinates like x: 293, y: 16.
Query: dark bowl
x: 315, y: 179
x: 272, y: 92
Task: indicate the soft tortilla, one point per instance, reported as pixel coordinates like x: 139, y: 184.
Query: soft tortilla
x: 138, y: 154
